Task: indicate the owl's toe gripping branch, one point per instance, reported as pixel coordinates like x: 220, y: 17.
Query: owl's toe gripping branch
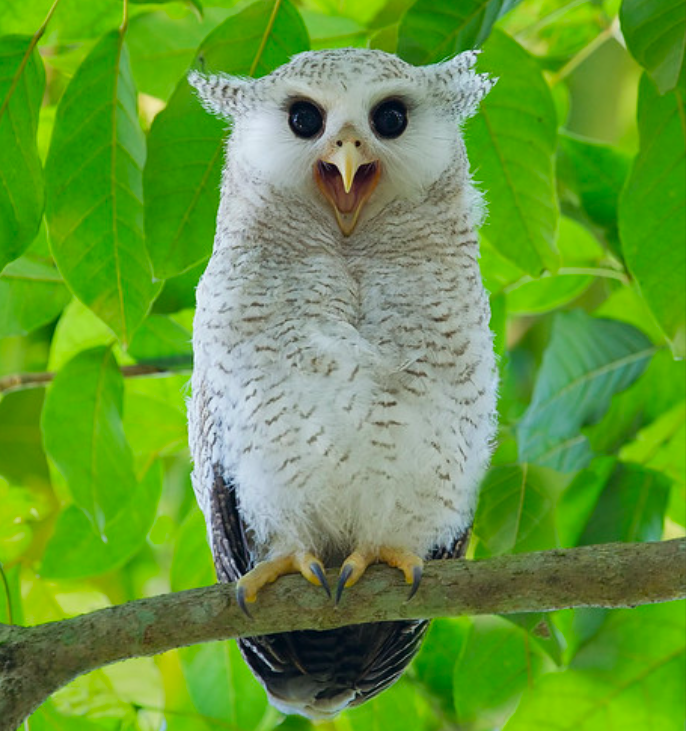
x: 356, y: 564
x: 267, y: 572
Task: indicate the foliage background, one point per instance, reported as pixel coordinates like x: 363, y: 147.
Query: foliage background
x: 109, y: 175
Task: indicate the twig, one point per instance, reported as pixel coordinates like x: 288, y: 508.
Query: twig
x: 18, y: 381
x: 36, y: 661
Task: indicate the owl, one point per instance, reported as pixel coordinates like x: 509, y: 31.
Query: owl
x: 344, y: 383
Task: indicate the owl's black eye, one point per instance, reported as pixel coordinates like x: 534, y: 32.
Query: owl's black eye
x: 305, y: 119
x: 390, y: 118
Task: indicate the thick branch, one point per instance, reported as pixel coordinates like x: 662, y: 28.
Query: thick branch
x: 36, y: 661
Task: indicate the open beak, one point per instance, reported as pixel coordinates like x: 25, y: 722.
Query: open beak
x: 347, y: 179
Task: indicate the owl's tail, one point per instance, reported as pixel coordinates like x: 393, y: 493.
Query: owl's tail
x: 316, y: 674
x: 319, y: 674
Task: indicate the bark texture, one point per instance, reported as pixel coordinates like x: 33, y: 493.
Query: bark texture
x: 36, y: 661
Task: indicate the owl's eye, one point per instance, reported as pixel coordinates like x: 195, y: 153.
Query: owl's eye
x: 389, y: 119
x: 305, y: 119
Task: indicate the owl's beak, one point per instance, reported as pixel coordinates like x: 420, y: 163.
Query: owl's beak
x: 347, y: 179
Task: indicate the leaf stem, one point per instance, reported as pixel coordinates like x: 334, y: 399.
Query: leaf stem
x: 265, y: 37
x: 39, y: 33
x: 588, y: 50
x: 602, y: 272
x: 6, y: 584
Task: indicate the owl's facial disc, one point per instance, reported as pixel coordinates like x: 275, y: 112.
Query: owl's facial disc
x: 347, y: 179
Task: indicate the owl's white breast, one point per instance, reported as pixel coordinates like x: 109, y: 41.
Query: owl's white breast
x: 347, y: 388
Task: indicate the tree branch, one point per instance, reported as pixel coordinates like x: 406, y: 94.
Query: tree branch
x: 36, y: 661
x: 19, y: 381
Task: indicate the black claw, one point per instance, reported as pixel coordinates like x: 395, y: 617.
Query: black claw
x: 344, y: 576
x: 416, y: 580
x: 240, y: 598
x: 318, y: 571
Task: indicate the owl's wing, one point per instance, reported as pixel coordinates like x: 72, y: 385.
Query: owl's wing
x: 317, y: 674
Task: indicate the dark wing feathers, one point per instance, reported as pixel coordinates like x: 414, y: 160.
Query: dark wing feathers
x: 316, y: 673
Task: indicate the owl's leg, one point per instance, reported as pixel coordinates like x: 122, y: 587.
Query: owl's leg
x: 356, y: 564
x: 266, y: 572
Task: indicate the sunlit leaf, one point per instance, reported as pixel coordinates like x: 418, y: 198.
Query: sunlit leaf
x: 655, y: 33
x: 22, y: 81
x: 31, y: 294
x: 77, y: 551
x: 516, y: 510
x: 629, y: 676
x: 433, y: 30
x: 498, y: 661
x: 83, y: 434
x: 586, y: 362
x: 511, y: 143
x: 445, y: 641
x: 186, y: 145
x: 162, y: 47
x: 95, y: 190
x: 399, y: 708
x: 652, y: 211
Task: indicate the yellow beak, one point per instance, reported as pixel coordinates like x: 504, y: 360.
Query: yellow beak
x: 347, y: 178
x: 347, y: 159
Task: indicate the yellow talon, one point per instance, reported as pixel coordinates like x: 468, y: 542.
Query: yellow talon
x: 357, y: 562
x: 267, y: 572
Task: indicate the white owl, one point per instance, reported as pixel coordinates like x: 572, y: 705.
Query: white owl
x: 344, y: 384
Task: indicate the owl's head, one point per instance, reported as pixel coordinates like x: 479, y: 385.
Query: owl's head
x: 355, y: 129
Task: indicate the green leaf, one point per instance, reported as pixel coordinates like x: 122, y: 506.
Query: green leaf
x: 79, y: 329
x: 76, y: 551
x: 516, y: 510
x: 153, y: 426
x: 580, y: 253
x: 219, y: 681
x: 22, y: 82
x: 95, y: 190
x: 511, y: 144
x: 591, y: 176
x: 401, y: 707
x: 495, y: 666
x: 629, y: 676
x: 192, y: 562
x: 178, y: 293
x: 162, y: 48
x: 186, y: 145
x: 655, y: 33
x: 579, y: 500
x: 432, y: 30
x: 652, y: 210
x: 91, y: 452
x: 22, y: 459
x: 587, y: 361
x: 31, y: 294
x: 440, y: 651
x: 222, y: 686
x: 631, y: 507
x: 162, y: 340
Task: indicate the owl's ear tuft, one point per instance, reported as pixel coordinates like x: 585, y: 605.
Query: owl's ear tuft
x: 220, y: 94
x: 467, y: 88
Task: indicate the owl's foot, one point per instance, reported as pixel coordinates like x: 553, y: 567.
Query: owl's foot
x: 356, y: 564
x: 267, y: 572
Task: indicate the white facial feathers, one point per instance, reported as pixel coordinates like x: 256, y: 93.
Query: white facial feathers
x: 346, y: 86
